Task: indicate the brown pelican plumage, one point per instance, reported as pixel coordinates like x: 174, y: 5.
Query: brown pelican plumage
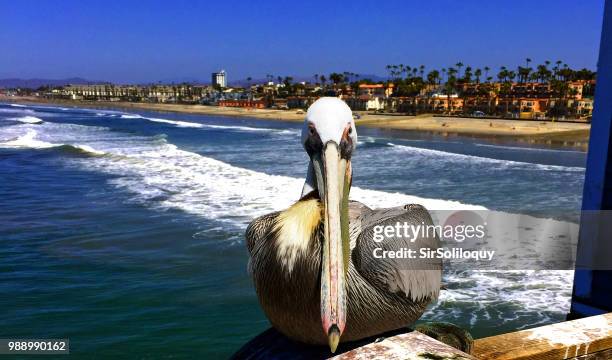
x: 314, y: 265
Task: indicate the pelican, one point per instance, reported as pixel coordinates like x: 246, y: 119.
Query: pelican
x: 313, y: 265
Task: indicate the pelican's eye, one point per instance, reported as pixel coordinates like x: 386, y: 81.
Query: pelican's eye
x: 313, y: 143
x: 311, y: 130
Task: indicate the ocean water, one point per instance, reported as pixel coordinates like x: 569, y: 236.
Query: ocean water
x: 124, y: 231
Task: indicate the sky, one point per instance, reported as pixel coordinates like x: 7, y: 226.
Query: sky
x: 148, y: 41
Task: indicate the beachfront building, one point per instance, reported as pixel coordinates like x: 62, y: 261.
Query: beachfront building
x: 300, y: 102
x: 365, y: 102
x: 243, y: 103
x: 369, y: 97
x: 582, y: 109
x: 552, y: 99
x: 443, y: 103
x: 183, y: 93
x: 219, y: 79
x: 376, y: 90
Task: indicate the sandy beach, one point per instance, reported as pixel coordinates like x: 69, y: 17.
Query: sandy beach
x: 525, y: 131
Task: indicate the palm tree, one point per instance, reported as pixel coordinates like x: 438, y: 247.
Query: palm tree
x: 336, y: 78
x: 402, y: 69
x: 477, y: 73
x: 503, y: 74
x: 422, y: 70
x: 486, y: 69
x: 467, y: 74
x: 433, y: 76
x: 459, y: 65
x: 557, y: 67
x: 527, y: 61
x: 511, y: 75
x: 523, y: 73
x: 450, y: 86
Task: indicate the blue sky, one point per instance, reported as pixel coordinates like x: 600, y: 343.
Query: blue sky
x: 146, y: 41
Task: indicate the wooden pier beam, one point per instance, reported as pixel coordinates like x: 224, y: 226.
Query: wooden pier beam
x: 587, y: 338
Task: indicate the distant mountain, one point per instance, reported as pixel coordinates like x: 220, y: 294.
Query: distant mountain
x: 182, y: 80
x: 36, y: 83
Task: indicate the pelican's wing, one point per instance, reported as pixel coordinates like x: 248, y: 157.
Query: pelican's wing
x: 258, y: 229
x: 418, y: 278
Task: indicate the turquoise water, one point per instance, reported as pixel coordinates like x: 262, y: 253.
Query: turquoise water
x: 123, y: 231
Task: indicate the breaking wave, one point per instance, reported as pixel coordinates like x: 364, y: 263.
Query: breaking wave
x: 181, y: 123
x: 467, y: 159
x: 29, y: 141
x: 165, y: 121
x: 28, y: 119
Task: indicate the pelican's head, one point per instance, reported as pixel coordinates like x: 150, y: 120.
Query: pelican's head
x: 329, y: 137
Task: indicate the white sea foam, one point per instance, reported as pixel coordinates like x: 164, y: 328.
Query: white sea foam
x: 217, y: 190
x: 225, y: 127
x: 524, y: 148
x: 180, y: 123
x: 431, y: 153
x: 527, y: 294
x: 28, y: 119
x: 165, y: 121
x: 17, y: 110
x: 28, y: 141
x: 89, y: 149
x: 17, y: 105
x: 149, y: 167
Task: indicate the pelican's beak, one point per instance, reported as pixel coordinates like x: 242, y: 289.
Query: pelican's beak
x: 334, y: 174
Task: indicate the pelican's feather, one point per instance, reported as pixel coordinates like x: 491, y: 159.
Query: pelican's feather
x: 417, y: 279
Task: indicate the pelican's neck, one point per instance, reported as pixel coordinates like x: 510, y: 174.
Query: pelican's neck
x: 295, y: 227
x: 310, y: 184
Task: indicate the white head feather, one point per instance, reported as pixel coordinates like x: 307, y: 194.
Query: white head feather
x: 330, y: 116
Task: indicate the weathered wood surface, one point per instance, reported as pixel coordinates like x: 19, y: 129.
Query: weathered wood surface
x: 565, y: 340
x: 409, y: 346
x: 600, y: 355
x: 398, y: 344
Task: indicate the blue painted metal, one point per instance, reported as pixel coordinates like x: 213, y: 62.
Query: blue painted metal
x: 592, y: 294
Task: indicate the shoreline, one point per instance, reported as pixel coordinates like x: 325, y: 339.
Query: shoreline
x: 562, y: 134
